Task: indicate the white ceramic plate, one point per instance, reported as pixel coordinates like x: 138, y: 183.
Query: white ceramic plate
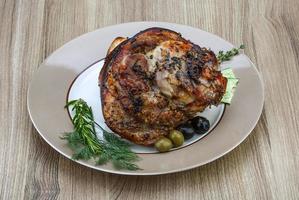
x: 71, y: 72
x: 85, y: 86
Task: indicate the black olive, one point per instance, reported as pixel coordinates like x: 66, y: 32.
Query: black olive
x: 187, y: 130
x: 200, y: 124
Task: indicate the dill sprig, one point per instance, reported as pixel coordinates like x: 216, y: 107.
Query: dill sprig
x: 85, y: 144
x: 225, y: 56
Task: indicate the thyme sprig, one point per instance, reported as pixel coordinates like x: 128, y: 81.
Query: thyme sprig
x: 225, y: 56
x: 86, y: 145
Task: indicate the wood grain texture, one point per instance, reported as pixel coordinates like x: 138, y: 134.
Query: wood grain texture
x: 264, y: 166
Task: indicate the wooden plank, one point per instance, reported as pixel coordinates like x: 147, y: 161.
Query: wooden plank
x: 264, y: 166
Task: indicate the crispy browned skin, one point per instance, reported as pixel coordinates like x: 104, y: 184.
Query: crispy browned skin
x: 155, y: 81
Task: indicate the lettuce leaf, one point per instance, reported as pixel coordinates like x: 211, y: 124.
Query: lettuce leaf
x: 232, y: 83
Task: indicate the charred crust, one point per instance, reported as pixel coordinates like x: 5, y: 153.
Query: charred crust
x: 125, y: 111
x: 156, y: 30
x: 194, y: 63
x: 137, y: 69
x: 137, y: 104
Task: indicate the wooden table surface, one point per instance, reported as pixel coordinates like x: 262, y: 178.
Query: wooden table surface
x: 264, y: 166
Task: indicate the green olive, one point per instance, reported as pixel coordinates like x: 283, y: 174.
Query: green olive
x: 163, y: 144
x: 176, y: 137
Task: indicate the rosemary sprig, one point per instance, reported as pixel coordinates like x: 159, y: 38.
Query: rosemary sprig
x: 86, y: 145
x: 225, y: 56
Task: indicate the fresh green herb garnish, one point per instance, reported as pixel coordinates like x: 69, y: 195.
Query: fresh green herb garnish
x: 232, y: 81
x: 86, y: 145
x: 231, y: 84
x: 225, y: 56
